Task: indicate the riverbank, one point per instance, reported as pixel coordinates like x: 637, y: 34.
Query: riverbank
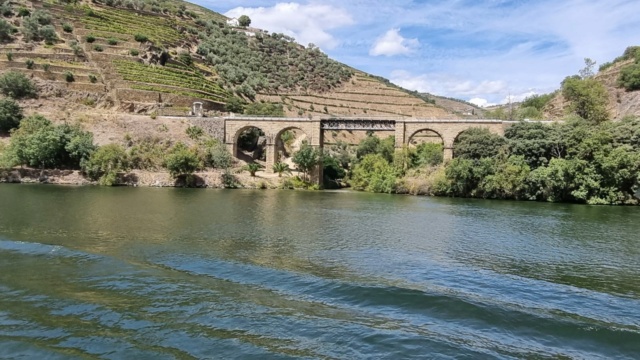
x: 205, y: 179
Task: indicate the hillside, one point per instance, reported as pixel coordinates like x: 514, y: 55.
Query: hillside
x: 621, y: 102
x: 158, y: 57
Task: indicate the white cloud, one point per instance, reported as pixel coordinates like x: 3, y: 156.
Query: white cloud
x: 481, y: 102
x: 447, y: 85
x: 392, y: 43
x: 306, y: 23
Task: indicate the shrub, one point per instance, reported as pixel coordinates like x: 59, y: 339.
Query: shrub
x: 23, y: 12
x: 105, y: 164
x: 98, y: 48
x: 10, y: 115
x: 194, y: 132
x: 10, y: 56
x: 185, y: 58
x: 280, y: 168
x: 42, y: 16
x: 629, y: 77
x: 38, y: 143
x: 134, y: 52
x: 6, y: 9
x: 219, y: 157
x: 112, y: 41
x: 141, y: 38
x: 5, y: 30
x: 46, y: 67
x: 252, y: 168
x: 68, y: 76
x: 17, y: 85
x: 181, y: 161
x: 374, y: 174
x: 93, y: 79
x: 90, y: 38
x: 48, y: 33
x: 66, y: 27
x: 77, y: 50
x: 29, y: 63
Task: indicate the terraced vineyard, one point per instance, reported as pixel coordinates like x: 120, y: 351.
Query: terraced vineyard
x: 158, y: 29
x: 152, y: 78
x: 362, y: 95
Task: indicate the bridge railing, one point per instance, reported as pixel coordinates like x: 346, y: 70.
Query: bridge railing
x: 268, y: 118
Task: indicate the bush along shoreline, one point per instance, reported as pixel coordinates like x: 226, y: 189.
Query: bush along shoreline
x: 575, y: 161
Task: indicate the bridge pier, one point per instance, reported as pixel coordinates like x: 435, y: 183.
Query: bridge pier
x: 271, y: 156
x: 448, y: 154
x: 400, y: 134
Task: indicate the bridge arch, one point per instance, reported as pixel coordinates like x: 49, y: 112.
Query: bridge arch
x: 280, y: 145
x: 238, y: 141
x: 428, y: 133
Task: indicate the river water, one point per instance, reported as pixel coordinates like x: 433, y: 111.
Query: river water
x: 140, y: 273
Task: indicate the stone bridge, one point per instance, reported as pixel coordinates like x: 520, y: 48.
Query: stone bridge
x: 405, y: 129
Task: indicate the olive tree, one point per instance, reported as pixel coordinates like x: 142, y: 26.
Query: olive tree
x: 244, y: 20
x: 10, y: 115
x: 16, y: 85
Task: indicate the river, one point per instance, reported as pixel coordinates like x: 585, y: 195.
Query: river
x: 142, y: 273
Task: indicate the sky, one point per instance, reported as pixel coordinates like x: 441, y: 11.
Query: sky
x: 485, y: 52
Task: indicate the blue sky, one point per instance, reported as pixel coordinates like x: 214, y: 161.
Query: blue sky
x: 479, y: 51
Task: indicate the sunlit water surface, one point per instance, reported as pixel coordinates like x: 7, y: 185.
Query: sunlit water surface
x: 91, y: 272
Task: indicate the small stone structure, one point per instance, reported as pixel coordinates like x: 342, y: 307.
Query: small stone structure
x: 196, y: 109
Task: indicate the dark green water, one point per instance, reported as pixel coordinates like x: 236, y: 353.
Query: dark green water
x: 165, y: 273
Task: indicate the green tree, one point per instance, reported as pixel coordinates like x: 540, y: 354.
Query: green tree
x: 508, y: 180
x: 587, y: 71
x: 10, y: 115
x: 374, y: 145
x: 40, y: 148
x: 48, y: 33
x: 374, y: 174
x: 6, y: 29
x: 235, y: 105
x: 78, y: 145
x: 244, y: 20
x: 30, y: 29
x: 306, y: 158
x: 105, y: 164
x: 588, y: 98
x: 534, y: 141
x: 265, y: 109
x: 429, y: 154
x: 477, y: 143
x: 16, y: 85
x: 464, y: 175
